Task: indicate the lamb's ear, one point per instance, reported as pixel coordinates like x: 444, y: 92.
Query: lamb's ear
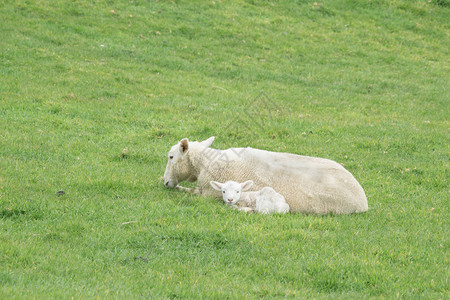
x: 246, y: 185
x: 216, y: 185
x: 208, y: 141
x: 184, y: 145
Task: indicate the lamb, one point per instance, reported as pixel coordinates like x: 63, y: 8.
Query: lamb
x: 265, y: 201
x: 310, y: 185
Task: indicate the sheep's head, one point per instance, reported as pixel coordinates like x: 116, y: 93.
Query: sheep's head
x: 178, y: 167
x: 231, y: 190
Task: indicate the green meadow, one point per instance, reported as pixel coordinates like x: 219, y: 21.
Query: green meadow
x: 94, y: 93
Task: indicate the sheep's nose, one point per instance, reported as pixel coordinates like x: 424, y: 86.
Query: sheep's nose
x: 167, y: 183
x: 230, y: 200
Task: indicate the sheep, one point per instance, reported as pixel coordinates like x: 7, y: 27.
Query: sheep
x: 265, y: 201
x: 310, y: 185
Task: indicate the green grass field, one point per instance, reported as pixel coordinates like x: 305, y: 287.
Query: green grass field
x: 365, y: 83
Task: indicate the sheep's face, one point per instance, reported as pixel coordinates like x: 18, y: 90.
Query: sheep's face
x: 231, y: 190
x: 178, y: 167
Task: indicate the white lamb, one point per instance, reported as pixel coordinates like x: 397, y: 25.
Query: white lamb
x: 266, y: 200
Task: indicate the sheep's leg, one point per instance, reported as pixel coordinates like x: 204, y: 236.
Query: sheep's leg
x: 189, y: 190
x: 245, y: 209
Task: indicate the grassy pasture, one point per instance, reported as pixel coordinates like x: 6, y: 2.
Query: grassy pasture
x: 94, y: 93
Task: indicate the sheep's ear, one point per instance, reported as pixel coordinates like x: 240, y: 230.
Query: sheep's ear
x: 216, y: 185
x: 208, y: 142
x: 246, y: 185
x: 184, y: 145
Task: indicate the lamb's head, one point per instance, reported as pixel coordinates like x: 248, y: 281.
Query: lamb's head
x: 231, y: 190
x: 179, y: 167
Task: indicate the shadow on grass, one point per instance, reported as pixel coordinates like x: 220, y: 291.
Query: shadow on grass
x: 183, y: 239
x: 10, y: 213
x: 20, y: 214
x: 136, y: 158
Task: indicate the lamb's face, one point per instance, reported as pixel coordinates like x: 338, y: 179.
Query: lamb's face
x: 231, y: 192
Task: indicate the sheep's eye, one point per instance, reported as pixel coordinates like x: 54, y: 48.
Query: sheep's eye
x: 237, y: 192
x: 223, y: 192
x: 171, y: 156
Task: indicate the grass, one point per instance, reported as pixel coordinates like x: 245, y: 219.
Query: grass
x: 362, y: 82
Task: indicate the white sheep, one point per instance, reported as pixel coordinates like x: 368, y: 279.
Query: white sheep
x: 309, y: 184
x: 266, y: 200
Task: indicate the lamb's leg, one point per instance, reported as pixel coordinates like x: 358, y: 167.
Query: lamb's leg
x: 189, y: 190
